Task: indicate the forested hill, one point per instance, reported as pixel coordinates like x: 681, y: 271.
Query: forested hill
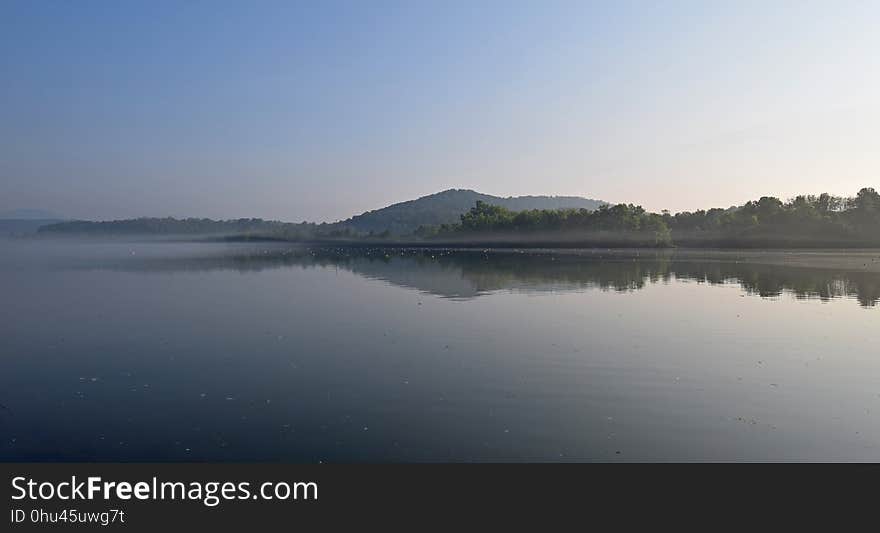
x: 806, y: 221
x: 447, y: 207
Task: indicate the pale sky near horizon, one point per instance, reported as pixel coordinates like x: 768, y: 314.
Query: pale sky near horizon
x: 319, y: 110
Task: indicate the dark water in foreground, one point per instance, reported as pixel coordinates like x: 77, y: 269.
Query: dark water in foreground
x: 182, y: 351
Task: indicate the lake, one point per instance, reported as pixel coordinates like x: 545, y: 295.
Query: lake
x: 176, y: 351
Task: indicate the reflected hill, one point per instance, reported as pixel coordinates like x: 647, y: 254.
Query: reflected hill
x: 466, y: 274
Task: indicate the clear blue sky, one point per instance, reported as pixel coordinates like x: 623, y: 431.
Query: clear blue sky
x: 324, y: 109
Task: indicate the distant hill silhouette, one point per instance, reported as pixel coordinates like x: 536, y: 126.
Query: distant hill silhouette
x: 23, y: 226
x: 18, y: 222
x: 467, y: 218
x: 446, y: 207
x: 29, y: 214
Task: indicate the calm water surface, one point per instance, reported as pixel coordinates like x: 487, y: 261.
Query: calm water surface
x: 232, y: 352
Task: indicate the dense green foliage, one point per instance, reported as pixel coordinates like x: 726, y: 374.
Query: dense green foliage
x: 623, y: 224
x: 446, y: 207
x: 804, y: 221
x: 822, y: 220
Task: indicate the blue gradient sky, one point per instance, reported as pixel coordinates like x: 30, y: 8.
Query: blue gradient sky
x: 318, y: 111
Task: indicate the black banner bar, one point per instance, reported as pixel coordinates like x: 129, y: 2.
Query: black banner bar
x: 267, y: 496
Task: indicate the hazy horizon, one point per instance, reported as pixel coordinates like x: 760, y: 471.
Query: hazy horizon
x: 302, y: 112
x: 27, y: 213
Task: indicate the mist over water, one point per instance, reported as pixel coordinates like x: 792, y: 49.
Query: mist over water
x: 232, y: 352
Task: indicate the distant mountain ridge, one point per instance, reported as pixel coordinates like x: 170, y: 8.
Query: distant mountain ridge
x: 20, y: 222
x: 447, y: 206
x: 396, y: 220
x: 23, y: 226
x: 29, y: 214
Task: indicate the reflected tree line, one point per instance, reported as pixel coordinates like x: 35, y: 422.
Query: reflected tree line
x: 468, y: 273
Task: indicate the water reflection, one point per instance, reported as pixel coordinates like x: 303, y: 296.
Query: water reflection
x: 465, y: 274
x: 256, y: 352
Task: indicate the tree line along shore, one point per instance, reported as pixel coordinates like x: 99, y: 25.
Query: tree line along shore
x: 803, y: 221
